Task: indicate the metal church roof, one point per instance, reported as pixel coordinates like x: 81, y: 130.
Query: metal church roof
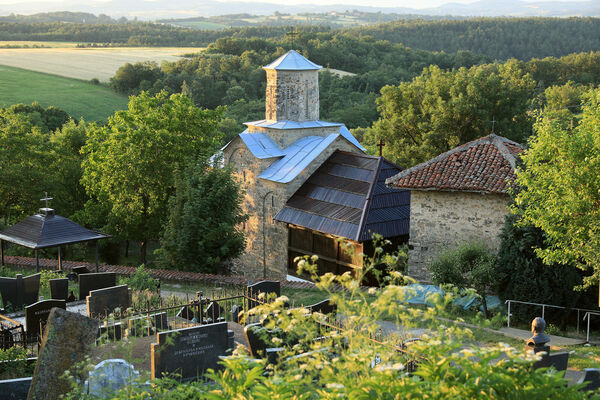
x: 48, y: 230
x: 347, y: 197
x: 261, y: 145
x: 292, y: 61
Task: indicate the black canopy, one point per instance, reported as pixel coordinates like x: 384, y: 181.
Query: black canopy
x: 46, y: 230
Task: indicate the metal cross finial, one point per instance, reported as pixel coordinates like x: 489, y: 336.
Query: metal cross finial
x: 380, y: 145
x: 493, y: 123
x: 293, y: 35
x: 46, y: 199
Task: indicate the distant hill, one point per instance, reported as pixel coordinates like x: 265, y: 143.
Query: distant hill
x: 62, y: 16
x: 167, y: 9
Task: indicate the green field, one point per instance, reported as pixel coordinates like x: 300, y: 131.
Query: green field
x: 78, y: 98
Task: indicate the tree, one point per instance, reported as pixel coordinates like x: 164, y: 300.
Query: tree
x: 439, y: 110
x: 203, y: 229
x: 525, y: 277
x: 472, y: 265
x: 23, y: 160
x: 560, y: 189
x: 130, y: 163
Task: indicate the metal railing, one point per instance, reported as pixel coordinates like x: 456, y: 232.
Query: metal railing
x: 588, y: 316
x: 544, y: 306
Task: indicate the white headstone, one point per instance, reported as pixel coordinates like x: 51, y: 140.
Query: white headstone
x: 110, y: 376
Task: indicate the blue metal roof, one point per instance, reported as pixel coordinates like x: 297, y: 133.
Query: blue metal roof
x: 350, y: 137
x: 285, y: 124
x: 292, y: 61
x: 261, y: 145
x: 297, y: 157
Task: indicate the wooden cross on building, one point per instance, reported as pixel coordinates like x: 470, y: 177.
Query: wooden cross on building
x: 493, y: 123
x: 380, y: 145
x: 293, y: 35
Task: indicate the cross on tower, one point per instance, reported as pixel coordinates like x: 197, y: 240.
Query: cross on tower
x: 493, y: 123
x: 380, y: 145
x: 293, y: 35
x: 46, y: 199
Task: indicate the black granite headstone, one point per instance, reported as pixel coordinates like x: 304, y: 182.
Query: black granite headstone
x: 186, y: 312
x: 59, y: 289
x: 557, y: 360
x: 95, y: 281
x: 265, y: 287
x: 20, y: 291
x: 104, y: 301
x: 591, y: 379
x: 189, y: 352
x: 214, y: 311
x: 256, y: 343
x: 323, y: 307
x: 38, y: 313
x: 81, y: 269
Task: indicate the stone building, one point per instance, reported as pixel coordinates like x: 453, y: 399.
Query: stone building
x: 274, y: 157
x: 458, y: 196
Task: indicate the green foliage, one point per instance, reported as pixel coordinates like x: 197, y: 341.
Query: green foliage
x: 469, y: 266
x: 13, y: 363
x: 203, y: 229
x: 130, y: 163
x: 559, y: 186
x: 525, y: 277
x: 440, y: 110
x: 142, y: 280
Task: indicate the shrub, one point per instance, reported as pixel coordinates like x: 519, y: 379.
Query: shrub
x: 469, y: 266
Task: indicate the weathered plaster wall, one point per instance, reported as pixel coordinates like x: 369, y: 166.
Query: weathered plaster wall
x: 440, y: 220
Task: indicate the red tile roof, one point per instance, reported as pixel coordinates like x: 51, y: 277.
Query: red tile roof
x: 485, y: 165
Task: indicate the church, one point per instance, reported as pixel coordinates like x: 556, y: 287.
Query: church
x: 308, y: 183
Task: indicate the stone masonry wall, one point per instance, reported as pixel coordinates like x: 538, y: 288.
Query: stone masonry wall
x: 267, y: 240
x: 440, y: 220
x: 292, y: 95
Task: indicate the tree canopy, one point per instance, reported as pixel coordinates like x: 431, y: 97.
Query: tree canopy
x: 130, y: 163
x: 559, y: 185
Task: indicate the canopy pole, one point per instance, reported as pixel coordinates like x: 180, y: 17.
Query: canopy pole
x: 96, y: 255
x: 59, y: 260
x: 37, y: 261
x: 2, y: 250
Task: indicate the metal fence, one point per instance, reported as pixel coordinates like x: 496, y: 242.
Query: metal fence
x: 580, y: 311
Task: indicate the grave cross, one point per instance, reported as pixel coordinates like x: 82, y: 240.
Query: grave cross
x: 293, y: 35
x: 46, y: 199
x: 380, y: 145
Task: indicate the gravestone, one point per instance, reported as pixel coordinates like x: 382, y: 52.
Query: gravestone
x: 80, y: 269
x: 14, y: 389
x: 95, y: 281
x: 38, y: 313
x: 59, y: 289
x: 186, y: 312
x: 214, y: 311
x: 68, y: 340
x: 591, y: 379
x: 256, y: 343
x: 104, y: 301
x: 235, y: 313
x: 265, y: 287
x: 109, y: 376
x: 557, y: 360
x: 190, y: 351
x: 20, y: 291
x: 323, y: 307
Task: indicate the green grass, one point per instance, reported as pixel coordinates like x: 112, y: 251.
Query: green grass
x: 202, y: 25
x: 78, y: 98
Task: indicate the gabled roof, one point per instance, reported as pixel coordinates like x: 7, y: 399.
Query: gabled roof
x: 40, y: 231
x: 261, y: 145
x: 347, y: 197
x: 292, y: 61
x: 485, y: 165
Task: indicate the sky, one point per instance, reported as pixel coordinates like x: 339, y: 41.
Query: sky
x: 375, y: 3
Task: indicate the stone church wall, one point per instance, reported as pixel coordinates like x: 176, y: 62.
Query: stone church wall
x: 440, y: 220
x: 267, y: 240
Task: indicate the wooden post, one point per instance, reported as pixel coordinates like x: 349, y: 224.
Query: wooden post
x: 59, y: 260
x: 96, y: 256
x: 37, y: 261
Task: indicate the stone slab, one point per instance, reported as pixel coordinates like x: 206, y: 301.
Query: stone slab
x: 189, y: 352
x: 59, y: 289
x: 38, y: 313
x: 95, y: 281
x: 68, y: 340
x: 20, y: 291
x: 266, y: 287
x: 102, y: 302
x: 14, y: 389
